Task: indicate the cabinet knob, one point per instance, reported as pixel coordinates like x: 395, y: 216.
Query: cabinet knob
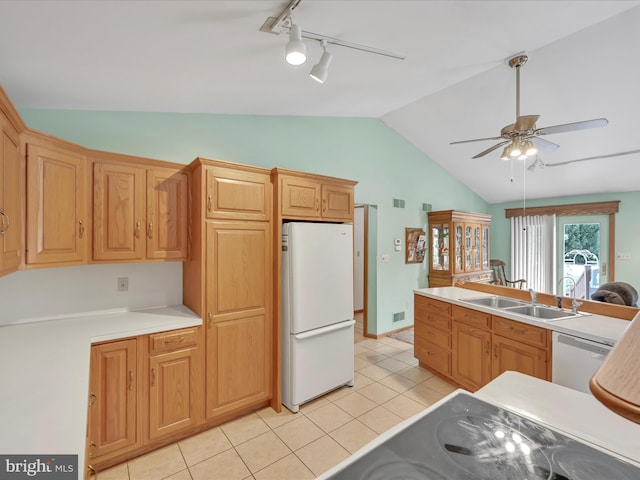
x: 92, y: 399
x: 495, y: 350
x: 209, y: 203
x: 486, y: 348
x: 153, y: 377
x: 81, y: 232
x: 130, y: 379
x: 210, y: 317
x: 138, y: 225
x: 150, y: 232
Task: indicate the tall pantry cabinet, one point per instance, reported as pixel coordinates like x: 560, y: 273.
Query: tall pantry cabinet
x: 228, y: 281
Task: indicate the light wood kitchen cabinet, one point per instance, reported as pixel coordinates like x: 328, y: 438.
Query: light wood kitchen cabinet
x: 233, y: 194
x: 471, y: 348
x: 228, y: 281
x: 11, y: 183
x: 459, y: 247
x: 238, y: 309
x: 432, y: 330
x: 307, y: 196
x: 521, y: 347
x: 139, y: 213
x: 57, y: 227
x: 174, y: 382
x: 167, y: 214
x: 113, y: 400
x: 471, y: 355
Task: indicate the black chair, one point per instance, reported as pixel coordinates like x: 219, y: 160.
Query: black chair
x: 499, y: 276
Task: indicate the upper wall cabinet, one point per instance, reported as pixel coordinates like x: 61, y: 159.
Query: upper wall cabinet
x: 139, y: 212
x: 11, y: 183
x: 56, y: 205
x: 314, y: 197
x: 234, y: 194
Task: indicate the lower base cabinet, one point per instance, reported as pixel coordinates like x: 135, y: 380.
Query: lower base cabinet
x: 472, y: 348
x: 141, y: 391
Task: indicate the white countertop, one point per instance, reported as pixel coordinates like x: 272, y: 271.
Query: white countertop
x: 44, y: 375
x: 598, y: 328
x: 569, y: 411
x: 573, y: 413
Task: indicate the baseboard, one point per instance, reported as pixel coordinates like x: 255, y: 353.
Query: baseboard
x: 391, y: 332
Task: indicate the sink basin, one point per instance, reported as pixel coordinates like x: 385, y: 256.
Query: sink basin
x: 494, y: 302
x: 542, y: 313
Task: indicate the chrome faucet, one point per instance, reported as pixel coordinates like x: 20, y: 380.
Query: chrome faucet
x: 534, y: 297
x: 574, y: 303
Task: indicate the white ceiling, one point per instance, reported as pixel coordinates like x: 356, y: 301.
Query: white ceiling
x: 210, y: 56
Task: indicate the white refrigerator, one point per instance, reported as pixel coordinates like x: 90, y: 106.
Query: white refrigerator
x: 317, y: 310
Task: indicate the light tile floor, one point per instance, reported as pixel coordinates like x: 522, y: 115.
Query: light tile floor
x: 389, y: 387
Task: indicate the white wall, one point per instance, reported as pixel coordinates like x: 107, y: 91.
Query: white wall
x: 31, y: 295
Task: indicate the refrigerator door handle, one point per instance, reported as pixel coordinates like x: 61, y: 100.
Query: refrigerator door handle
x: 323, y: 330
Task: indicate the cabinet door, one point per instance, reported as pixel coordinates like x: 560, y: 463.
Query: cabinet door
x: 172, y: 402
x: 337, y: 202
x: 56, y: 206
x: 10, y: 199
x: 459, y: 248
x: 118, y: 212
x: 300, y: 197
x: 237, y: 194
x: 471, y: 355
x: 113, y: 398
x: 510, y: 354
x: 167, y: 220
x: 239, y: 315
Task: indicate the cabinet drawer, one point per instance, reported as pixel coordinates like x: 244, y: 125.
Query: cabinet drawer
x: 435, y: 336
x: 520, y: 331
x: 428, y: 319
x: 435, y: 357
x: 429, y: 304
x: 173, y: 340
x: 472, y: 317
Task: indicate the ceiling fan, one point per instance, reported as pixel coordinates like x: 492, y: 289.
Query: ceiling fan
x: 522, y: 139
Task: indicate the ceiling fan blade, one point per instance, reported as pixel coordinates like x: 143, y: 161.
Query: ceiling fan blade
x: 597, y: 157
x: 525, y: 122
x: 476, y: 140
x: 491, y: 149
x: 570, y: 127
x: 543, y: 145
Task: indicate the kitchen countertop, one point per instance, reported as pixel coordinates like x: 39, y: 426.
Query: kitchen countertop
x: 569, y: 411
x: 573, y: 413
x: 45, y: 374
x: 598, y: 328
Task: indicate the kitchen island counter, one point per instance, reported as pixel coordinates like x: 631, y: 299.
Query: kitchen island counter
x: 598, y: 328
x: 45, y: 374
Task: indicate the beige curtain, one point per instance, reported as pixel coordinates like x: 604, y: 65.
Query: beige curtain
x: 533, y: 251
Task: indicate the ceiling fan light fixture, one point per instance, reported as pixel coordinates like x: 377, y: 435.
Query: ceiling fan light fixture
x: 515, y: 151
x: 505, y: 153
x: 295, y: 50
x: 530, y: 148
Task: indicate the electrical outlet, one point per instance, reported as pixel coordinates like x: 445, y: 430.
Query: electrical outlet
x: 123, y: 284
x: 623, y: 256
x: 385, y: 258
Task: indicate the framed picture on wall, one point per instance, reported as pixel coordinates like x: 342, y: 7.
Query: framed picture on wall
x: 416, y: 245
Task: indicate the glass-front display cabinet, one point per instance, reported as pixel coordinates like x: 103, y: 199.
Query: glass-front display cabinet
x: 459, y: 244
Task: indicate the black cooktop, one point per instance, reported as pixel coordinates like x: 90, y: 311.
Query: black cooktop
x: 467, y: 438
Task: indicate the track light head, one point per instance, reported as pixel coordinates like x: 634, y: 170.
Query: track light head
x: 295, y: 50
x: 320, y: 70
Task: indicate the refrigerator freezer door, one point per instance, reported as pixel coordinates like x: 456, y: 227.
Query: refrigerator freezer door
x: 320, y: 274
x: 320, y: 361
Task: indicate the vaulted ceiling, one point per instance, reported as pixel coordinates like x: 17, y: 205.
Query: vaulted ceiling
x: 210, y: 56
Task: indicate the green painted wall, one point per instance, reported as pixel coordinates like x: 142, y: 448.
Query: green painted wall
x: 385, y: 165
x: 627, y: 229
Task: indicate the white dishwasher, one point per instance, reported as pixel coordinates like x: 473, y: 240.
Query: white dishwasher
x: 575, y: 360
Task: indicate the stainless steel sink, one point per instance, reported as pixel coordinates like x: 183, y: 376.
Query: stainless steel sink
x: 540, y: 312
x: 494, y: 302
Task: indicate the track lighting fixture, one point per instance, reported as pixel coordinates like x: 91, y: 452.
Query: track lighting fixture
x: 320, y: 70
x: 295, y: 50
